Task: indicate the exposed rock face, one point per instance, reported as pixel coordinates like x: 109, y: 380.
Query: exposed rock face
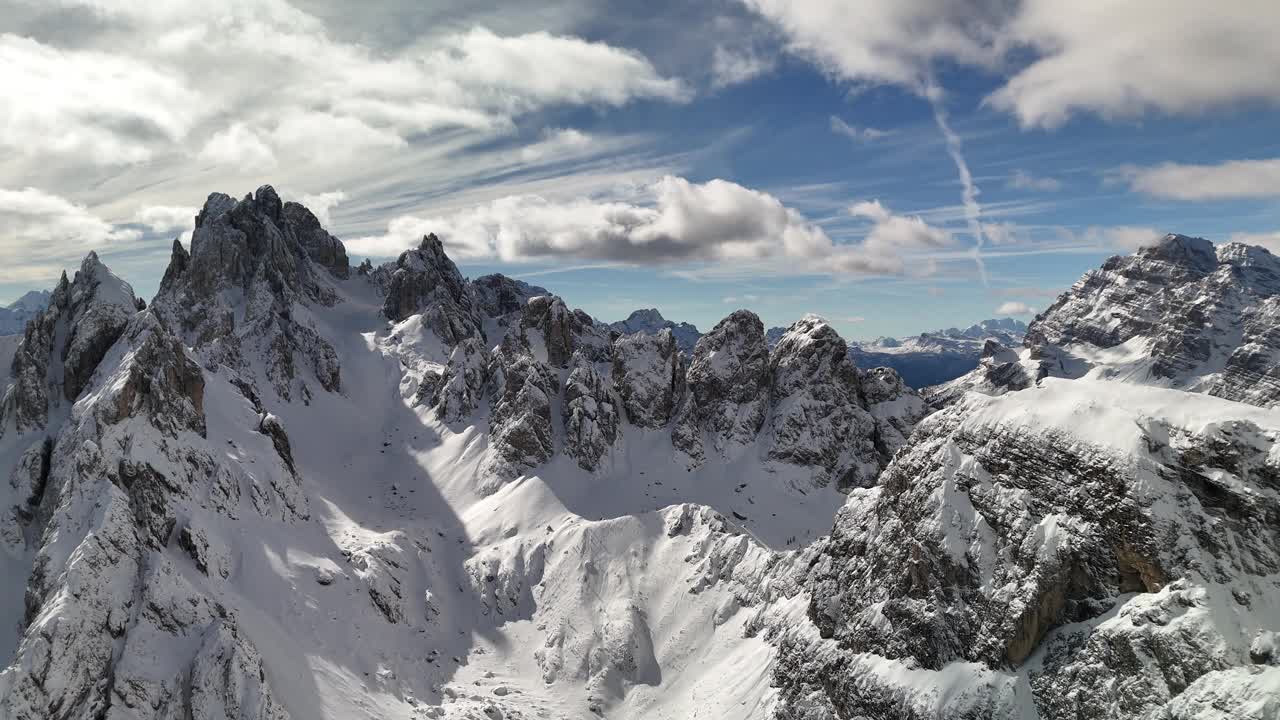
x: 323, y: 248
x: 498, y: 295
x: 254, y: 269
x: 62, y: 346
x: 459, y: 390
x: 728, y: 381
x: 816, y: 417
x: 651, y: 322
x: 648, y: 371
x: 590, y: 415
x: 424, y: 280
x: 521, y: 434
x: 122, y: 486
x: 1203, y: 317
x: 1008, y: 519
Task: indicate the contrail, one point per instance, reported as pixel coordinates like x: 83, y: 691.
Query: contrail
x: 969, y: 195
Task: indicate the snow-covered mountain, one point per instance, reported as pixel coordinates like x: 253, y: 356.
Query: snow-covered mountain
x: 290, y: 488
x: 650, y: 322
x: 14, y: 316
x: 936, y: 357
x: 929, y: 358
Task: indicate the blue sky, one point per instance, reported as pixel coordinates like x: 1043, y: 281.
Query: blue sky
x: 788, y: 157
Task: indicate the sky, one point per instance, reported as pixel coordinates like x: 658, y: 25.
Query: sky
x: 894, y: 167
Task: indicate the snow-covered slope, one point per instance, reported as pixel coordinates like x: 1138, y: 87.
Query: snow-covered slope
x: 293, y: 489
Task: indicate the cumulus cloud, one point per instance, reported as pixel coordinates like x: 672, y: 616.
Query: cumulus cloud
x: 321, y: 203
x: 1116, y: 59
x: 556, y: 142
x: 857, y: 134
x: 1233, y: 179
x: 1013, y: 307
x: 680, y: 221
x: 1123, y: 237
x: 41, y: 231
x: 1023, y: 180
x: 166, y: 218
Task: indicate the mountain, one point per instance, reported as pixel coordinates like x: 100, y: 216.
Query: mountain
x: 650, y: 322
x: 14, y: 317
x: 290, y: 488
x: 936, y: 357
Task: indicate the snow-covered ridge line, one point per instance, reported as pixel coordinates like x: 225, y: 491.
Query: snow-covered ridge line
x: 293, y: 488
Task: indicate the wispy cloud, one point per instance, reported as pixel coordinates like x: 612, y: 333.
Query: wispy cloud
x: 1220, y: 181
x: 857, y: 134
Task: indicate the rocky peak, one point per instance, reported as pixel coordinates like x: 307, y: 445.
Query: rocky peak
x: 251, y: 263
x: 424, y: 280
x: 1203, y: 317
x: 648, y: 371
x: 498, y: 295
x: 62, y: 346
x: 728, y: 382
x: 650, y: 321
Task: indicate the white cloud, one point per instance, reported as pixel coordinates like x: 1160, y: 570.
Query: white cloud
x: 1121, y: 59
x: 1116, y: 59
x: 91, y: 106
x: 1023, y: 180
x: 1270, y: 241
x: 1232, y: 179
x: 679, y: 222
x: 747, y: 298
x: 240, y: 147
x: 1014, y: 307
x: 321, y: 203
x: 556, y: 142
x: 166, y: 218
x: 1123, y: 237
x: 40, y: 231
x: 256, y: 85
x: 857, y: 134
x: 733, y: 67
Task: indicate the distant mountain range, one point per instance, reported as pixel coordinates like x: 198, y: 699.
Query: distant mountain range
x: 14, y: 317
x: 922, y: 360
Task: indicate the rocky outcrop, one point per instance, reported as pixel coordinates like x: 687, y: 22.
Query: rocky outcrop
x: 425, y: 281
x: 498, y: 295
x: 520, y: 430
x: 62, y: 346
x: 255, y: 268
x: 816, y: 417
x: 1018, y: 525
x: 648, y: 371
x: 590, y: 416
x: 459, y: 389
x: 728, y: 382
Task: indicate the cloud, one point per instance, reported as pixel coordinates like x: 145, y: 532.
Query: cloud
x: 321, y: 203
x: 1013, y: 307
x: 1122, y: 59
x: 41, y: 232
x: 1115, y: 59
x: 173, y: 81
x: 1270, y: 241
x: 166, y: 218
x: 1022, y: 180
x: 734, y: 67
x: 678, y: 222
x: 857, y: 134
x: 555, y: 142
x: 739, y: 299
x: 1123, y: 237
x: 1223, y: 181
